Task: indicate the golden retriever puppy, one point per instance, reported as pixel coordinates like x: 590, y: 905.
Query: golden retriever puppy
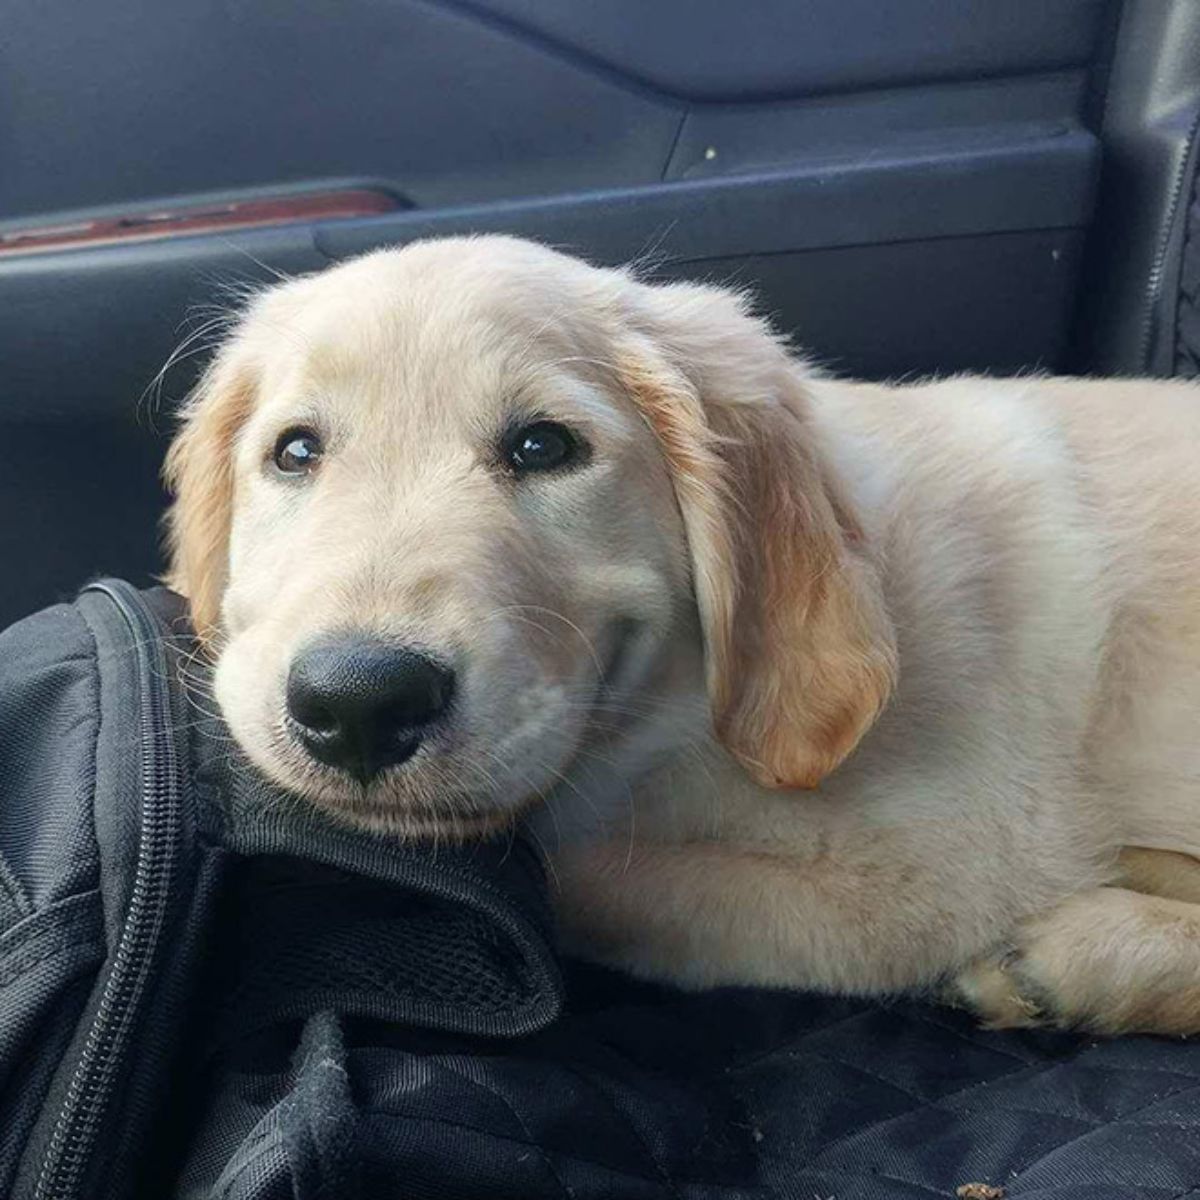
x: 802, y: 682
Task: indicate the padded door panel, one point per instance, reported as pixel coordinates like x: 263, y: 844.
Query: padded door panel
x: 905, y: 185
x: 134, y: 99
x: 86, y: 331
x: 137, y: 99
x: 868, y: 309
x: 718, y: 50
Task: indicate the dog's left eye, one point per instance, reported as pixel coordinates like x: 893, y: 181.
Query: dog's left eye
x: 297, y: 451
x: 541, y: 446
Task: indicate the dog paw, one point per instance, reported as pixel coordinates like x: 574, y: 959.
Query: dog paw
x: 1105, y: 960
x: 998, y: 992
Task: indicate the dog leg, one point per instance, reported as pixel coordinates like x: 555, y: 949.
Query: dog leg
x: 705, y: 914
x: 1110, y: 960
x: 1161, y: 873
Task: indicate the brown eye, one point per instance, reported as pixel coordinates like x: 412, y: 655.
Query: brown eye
x: 297, y: 451
x: 541, y: 446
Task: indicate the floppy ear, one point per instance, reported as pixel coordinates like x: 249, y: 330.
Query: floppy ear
x: 800, y: 652
x: 199, y: 472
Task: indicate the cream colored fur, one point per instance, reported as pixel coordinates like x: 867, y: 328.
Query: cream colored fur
x: 801, y: 681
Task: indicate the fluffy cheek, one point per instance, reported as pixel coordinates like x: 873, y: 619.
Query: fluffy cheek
x: 265, y: 566
x: 518, y: 735
x: 248, y: 687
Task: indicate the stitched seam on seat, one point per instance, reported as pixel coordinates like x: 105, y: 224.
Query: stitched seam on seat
x: 1187, y: 1080
x: 925, y: 1019
x: 1123, y: 1121
x: 1192, y: 1076
x: 875, y: 1126
x: 764, y: 1054
x: 1096, y: 1126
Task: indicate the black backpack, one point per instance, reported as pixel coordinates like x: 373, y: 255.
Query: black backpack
x: 158, y: 901
x: 208, y: 993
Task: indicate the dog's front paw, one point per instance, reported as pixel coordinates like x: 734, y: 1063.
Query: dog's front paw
x: 996, y: 990
x: 1039, y: 978
x: 1106, y: 960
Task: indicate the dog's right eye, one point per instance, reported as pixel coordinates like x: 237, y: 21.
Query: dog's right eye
x: 297, y: 451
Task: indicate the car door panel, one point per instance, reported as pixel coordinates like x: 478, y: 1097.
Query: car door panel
x: 1025, y: 186
x: 905, y: 187
x: 717, y: 51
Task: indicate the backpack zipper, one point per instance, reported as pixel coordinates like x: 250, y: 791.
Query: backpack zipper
x: 97, y: 1074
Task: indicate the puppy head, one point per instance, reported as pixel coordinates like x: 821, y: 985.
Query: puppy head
x: 443, y: 511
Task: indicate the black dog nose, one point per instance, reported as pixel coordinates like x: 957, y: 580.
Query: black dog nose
x: 362, y: 704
